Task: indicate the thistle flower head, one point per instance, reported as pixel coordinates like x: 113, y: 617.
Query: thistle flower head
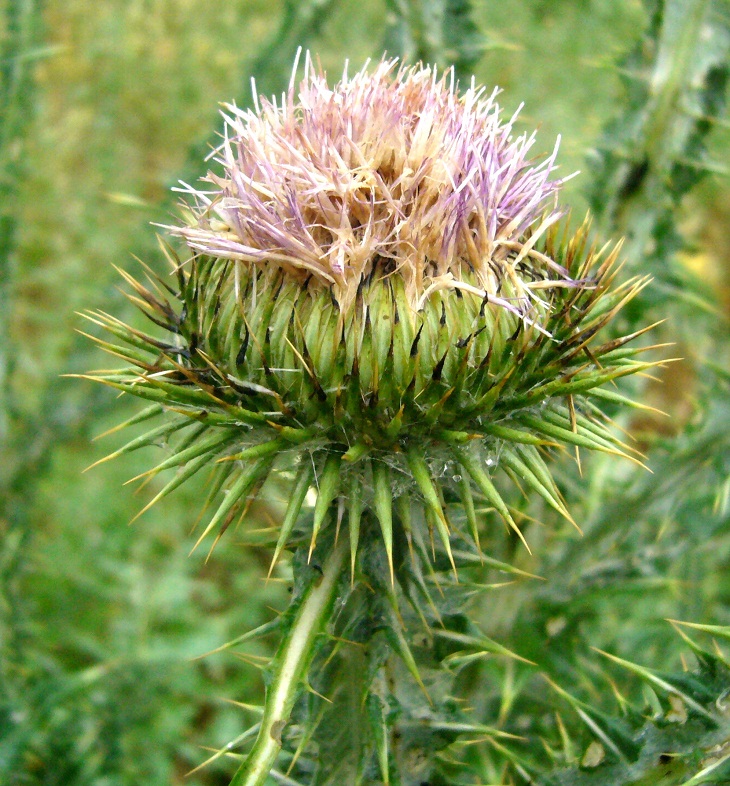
x: 376, y: 289
x: 386, y: 171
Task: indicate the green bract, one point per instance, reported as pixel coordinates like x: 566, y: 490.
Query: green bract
x: 379, y: 403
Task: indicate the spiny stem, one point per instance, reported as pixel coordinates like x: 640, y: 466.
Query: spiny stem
x: 290, y: 668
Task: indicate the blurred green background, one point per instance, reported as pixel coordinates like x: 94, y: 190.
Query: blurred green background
x: 116, y: 100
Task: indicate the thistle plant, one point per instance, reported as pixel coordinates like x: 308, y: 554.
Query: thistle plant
x: 380, y: 305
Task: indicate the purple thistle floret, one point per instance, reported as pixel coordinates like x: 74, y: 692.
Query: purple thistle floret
x: 391, y: 168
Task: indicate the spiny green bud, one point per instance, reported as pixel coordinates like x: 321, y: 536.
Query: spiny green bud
x: 376, y: 293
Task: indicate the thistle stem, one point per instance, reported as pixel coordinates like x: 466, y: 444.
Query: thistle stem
x: 291, y: 664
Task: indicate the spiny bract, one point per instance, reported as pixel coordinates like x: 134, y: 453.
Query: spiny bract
x: 378, y: 297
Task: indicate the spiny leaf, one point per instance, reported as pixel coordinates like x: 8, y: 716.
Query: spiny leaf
x: 505, y: 567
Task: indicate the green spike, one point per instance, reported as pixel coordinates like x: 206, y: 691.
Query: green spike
x: 130, y: 336
x: 513, y: 435
x: 182, y: 392
x: 179, y: 479
x: 123, y: 383
x: 514, y: 462
x: 192, y: 436
x: 251, y: 635
x: 394, y: 634
x: 433, y: 413
x: 467, y: 500
x: 616, y: 398
x: 569, y: 755
x: 504, y: 567
x: 456, y: 437
x: 701, y: 777
x: 144, y: 440
x: 721, y: 631
x: 250, y: 732
x: 580, y: 383
x: 568, y: 435
x: 422, y: 476
x: 197, y: 397
x: 248, y: 479
x: 146, y: 414
x: 605, y: 729
x: 354, y: 517
x: 480, y: 642
x: 535, y: 462
x: 206, y: 416
x: 329, y: 486
x: 586, y: 427
x: 703, y: 656
x: 296, y: 500
x: 656, y: 681
x: 485, y: 485
x: 470, y: 728
x: 486, y: 403
x: 210, y: 445
x: 256, y: 451
x: 403, y: 507
x: 219, y: 477
x: 383, y: 496
x: 138, y: 358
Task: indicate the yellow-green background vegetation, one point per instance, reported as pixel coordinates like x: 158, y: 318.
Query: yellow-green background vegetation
x: 99, y: 620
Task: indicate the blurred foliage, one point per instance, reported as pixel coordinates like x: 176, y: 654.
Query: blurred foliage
x: 102, y: 107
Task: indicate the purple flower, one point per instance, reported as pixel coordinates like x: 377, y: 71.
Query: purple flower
x: 391, y: 168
